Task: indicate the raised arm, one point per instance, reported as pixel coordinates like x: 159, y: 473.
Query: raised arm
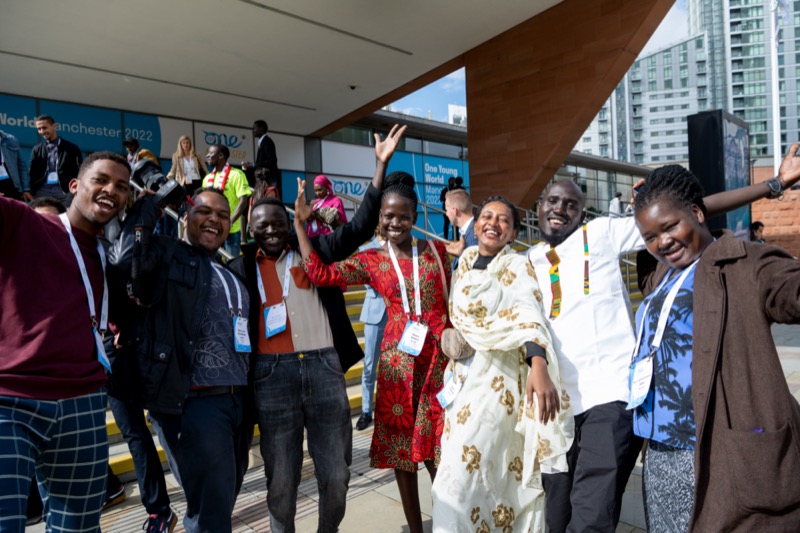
x: 384, y: 151
x: 346, y: 239
x: 788, y: 175
x: 302, y: 212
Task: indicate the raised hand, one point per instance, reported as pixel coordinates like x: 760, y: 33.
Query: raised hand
x: 385, y: 149
x: 789, y: 172
x: 302, y: 211
x: 456, y: 248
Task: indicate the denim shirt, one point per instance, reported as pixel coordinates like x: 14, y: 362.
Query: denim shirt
x: 14, y: 162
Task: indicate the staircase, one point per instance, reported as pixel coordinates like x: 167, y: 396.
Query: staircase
x: 120, y: 458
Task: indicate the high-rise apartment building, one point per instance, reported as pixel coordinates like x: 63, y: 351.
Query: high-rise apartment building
x: 723, y: 64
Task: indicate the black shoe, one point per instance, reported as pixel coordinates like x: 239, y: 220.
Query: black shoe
x: 363, y: 421
x: 160, y: 523
x: 114, y: 496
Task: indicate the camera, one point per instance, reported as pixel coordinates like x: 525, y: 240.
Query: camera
x: 148, y: 175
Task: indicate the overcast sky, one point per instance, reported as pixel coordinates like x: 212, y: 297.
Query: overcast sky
x: 434, y: 98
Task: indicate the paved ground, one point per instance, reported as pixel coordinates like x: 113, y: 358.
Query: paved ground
x: 373, y: 500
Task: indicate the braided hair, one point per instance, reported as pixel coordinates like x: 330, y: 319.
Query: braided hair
x: 401, y: 184
x: 511, y: 207
x: 672, y: 182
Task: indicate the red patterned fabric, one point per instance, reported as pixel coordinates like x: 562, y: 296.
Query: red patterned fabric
x: 408, y: 418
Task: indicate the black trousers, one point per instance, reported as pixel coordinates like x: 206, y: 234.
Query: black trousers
x: 602, y: 456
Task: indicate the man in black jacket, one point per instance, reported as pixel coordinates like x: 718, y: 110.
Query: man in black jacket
x: 54, y: 162
x: 191, y: 348
x: 303, y: 343
x: 266, y: 155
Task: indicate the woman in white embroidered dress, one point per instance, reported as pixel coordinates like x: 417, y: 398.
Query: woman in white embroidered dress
x: 497, y: 442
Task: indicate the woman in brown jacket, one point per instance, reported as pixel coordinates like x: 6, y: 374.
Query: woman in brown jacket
x: 707, y: 384
x: 188, y: 167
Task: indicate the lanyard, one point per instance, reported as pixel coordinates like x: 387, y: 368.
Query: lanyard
x: 287, y: 275
x: 217, y: 270
x: 225, y: 171
x: 665, y: 309
x: 85, y: 276
x: 417, y: 305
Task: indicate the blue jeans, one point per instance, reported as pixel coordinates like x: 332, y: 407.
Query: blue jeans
x: 295, y: 391
x: 64, y: 443
x: 234, y: 244
x: 209, y: 444
x: 149, y: 475
x: 373, y: 335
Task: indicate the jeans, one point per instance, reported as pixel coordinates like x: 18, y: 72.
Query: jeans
x: 234, y: 244
x: 602, y: 456
x: 209, y: 444
x: 373, y: 334
x: 295, y: 391
x: 149, y: 475
x: 64, y: 443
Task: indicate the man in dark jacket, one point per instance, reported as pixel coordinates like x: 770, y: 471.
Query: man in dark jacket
x: 54, y: 162
x: 192, y: 348
x: 304, y: 342
x: 266, y: 155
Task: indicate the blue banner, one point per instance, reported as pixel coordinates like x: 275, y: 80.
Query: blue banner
x: 146, y: 129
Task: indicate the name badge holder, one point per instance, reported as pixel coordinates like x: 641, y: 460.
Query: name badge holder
x: 413, y: 338
x: 275, y: 315
x: 98, y: 329
x: 3, y: 172
x: 640, y: 373
x: 241, y: 336
x: 453, y: 381
x: 52, y: 178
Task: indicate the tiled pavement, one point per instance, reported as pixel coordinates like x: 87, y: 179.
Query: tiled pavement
x: 373, y: 500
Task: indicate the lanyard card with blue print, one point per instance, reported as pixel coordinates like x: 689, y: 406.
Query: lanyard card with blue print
x: 98, y: 329
x: 275, y: 315
x: 415, y: 332
x: 453, y: 381
x: 641, y: 372
x: 241, y: 335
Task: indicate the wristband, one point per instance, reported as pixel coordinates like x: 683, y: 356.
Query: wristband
x: 775, y: 188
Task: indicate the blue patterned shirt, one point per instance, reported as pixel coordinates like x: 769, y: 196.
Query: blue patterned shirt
x: 667, y: 414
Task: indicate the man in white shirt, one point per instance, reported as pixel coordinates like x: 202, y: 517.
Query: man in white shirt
x: 588, y: 312
x: 615, y: 207
x: 589, y: 316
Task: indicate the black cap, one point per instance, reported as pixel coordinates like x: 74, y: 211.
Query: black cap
x: 130, y: 140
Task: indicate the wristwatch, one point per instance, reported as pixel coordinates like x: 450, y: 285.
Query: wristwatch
x: 775, y: 188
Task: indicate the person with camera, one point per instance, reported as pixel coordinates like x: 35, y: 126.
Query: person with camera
x: 191, y: 348
x: 233, y: 183
x: 54, y: 306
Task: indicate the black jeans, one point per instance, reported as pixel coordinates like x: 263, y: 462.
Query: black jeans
x: 602, y: 456
x: 209, y: 443
x: 149, y: 474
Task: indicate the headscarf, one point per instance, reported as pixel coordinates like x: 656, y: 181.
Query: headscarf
x: 323, y: 181
x: 328, y: 208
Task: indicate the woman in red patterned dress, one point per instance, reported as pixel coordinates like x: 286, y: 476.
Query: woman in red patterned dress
x: 408, y: 417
